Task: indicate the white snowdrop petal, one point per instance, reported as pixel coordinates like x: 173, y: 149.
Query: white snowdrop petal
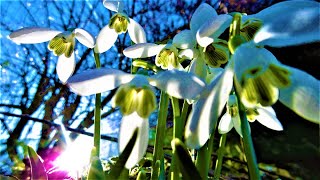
x: 105, y: 40
x: 113, y: 5
x: 84, y: 37
x: 33, y: 35
x: 203, y: 14
x: 213, y: 29
x: 302, y: 96
x: 225, y: 124
x: 205, y: 113
x: 268, y: 119
x: 97, y: 81
x: 189, y: 53
x: 143, y: 50
x: 178, y: 84
x: 128, y: 124
x: 300, y: 24
x: 136, y: 32
x: 184, y: 39
x: 65, y: 67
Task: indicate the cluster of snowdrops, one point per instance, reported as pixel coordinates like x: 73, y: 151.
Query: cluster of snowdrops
x: 197, y: 67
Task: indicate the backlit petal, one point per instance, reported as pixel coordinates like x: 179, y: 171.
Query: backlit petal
x: 33, y: 35
x: 302, y: 96
x: 184, y: 39
x: 204, y: 114
x: 143, y: 50
x: 113, y: 5
x: 97, y: 81
x: 65, y: 67
x: 105, y: 39
x: 225, y: 124
x: 178, y: 84
x: 213, y: 29
x: 84, y: 37
x: 299, y: 24
x: 268, y: 118
x: 136, y: 32
x: 128, y: 125
x: 189, y: 53
x: 203, y: 14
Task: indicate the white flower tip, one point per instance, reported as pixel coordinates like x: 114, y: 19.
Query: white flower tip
x: 65, y: 67
x: 203, y: 41
x: 136, y: 32
x: 143, y: 50
x: 113, y: 5
x: 84, y: 37
x: 33, y: 35
x: 105, y: 40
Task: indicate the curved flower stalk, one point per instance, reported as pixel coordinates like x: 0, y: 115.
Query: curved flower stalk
x: 135, y: 97
x: 118, y: 24
x: 61, y: 43
x: 259, y: 78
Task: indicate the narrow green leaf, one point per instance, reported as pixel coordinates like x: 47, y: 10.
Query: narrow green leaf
x: 119, y: 165
x: 142, y: 175
x: 96, y: 169
x: 187, y: 168
x: 37, y: 168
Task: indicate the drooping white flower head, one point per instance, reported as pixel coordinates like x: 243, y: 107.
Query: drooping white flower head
x: 119, y: 23
x: 135, y: 98
x: 265, y: 115
x: 188, y: 40
x: 61, y: 43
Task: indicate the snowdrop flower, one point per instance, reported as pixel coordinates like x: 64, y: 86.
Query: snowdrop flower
x: 118, y: 24
x: 214, y: 52
x: 166, y: 54
x: 61, y: 43
x: 136, y: 99
x: 259, y: 77
x: 264, y: 115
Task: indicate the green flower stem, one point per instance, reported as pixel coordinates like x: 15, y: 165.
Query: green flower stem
x: 236, y: 25
x: 248, y: 145
x: 217, y: 169
x: 203, y: 159
x: 177, y: 133
x: 97, y: 113
x: 145, y: 65
x: 160, y: 135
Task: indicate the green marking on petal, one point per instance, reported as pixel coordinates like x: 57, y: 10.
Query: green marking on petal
x: 250, y: 28
x: 216, y: 54
x: 251, y: 114
x: 131, y: 98
x: 232, y: 106
x: 280, y: 76
x: 63, y: 43
x: 60, y: 49
x: 119, y: 22
x: 146, y: 102
x: 168, y: 57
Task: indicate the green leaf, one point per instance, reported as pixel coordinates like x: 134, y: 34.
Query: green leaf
x: 96, y: 169
x: 187, y: 168
x: 37, y: 168
x: 116, y: 170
